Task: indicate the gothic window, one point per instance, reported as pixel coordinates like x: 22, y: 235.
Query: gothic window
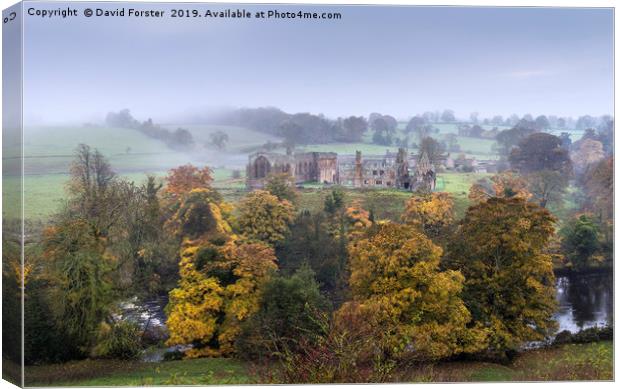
x: 261, y: 167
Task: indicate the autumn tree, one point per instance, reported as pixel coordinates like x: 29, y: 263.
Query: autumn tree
x: 183, y: 179
x: 547, y: 186
x: 586, y: 152
x: 598, y: 183
x: 198, y: 214
x: 397, y: 284
x: 220, y: 287
x: 12, y: 277
x: 146, y: 253
x: 79, y: 271
x: 503, y: 185
x: 220, y: 273
x: 264, y: 217
x: 95, y: 192
x: 433, y: 149
x: 358, y: 220
x: 509, y: 282
x: 282, y: 185
x: 431, y: 212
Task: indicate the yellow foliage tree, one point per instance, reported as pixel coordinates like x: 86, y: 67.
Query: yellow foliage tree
x: 431, y: 213
x: 358, y: 220
x: 501, y: 247
x: 503, y: 185
x: 264, y: 217
x: 218, y: 290
x: 198, y: 214
x: 396, y: 282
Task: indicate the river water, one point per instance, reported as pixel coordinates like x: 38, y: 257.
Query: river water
x: 584, y: 301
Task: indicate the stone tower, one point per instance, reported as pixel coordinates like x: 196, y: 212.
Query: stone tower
x: 403, y: 180
x: 425, y: 174
x: 358, y: 179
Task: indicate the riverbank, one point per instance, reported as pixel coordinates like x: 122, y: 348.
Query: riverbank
x: 592, y: 361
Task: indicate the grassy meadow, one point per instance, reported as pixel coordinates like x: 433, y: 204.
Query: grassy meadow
x: 48, y: 152
x: 593, y: 361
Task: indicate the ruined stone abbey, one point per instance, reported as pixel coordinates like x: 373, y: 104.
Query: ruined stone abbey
x: 393, y: 170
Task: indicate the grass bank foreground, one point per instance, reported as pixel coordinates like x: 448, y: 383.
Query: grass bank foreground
x: 593, y: 361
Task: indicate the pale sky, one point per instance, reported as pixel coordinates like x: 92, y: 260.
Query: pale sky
x: 394, y: 60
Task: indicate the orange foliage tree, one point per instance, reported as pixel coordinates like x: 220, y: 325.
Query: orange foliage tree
x: 184, y: 179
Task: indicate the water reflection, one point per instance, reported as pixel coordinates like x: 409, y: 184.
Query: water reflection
x: 585, y: 300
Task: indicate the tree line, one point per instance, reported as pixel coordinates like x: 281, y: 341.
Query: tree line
x: 265, y: 279
x: 179, y: 139
x: 307, y: 128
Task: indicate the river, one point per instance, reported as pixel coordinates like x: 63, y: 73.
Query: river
x: 584, y: 301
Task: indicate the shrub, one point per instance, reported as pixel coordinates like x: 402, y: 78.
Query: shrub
x: 348, y: 349
x: 120, y: 341
x: 588, y: 335
x: 563, y: 337
x: 174, y: 355
x: 284, y: 316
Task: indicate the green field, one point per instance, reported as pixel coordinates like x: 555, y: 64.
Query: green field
x: 350, y: 148
x: 241, y: 140
x: 49, y: 151
x: 593, y: 361
x: 477, y: 146
x: 206, y: 371
x: 44, y: 194
x: 384, y: 203
x: 458, y: 185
